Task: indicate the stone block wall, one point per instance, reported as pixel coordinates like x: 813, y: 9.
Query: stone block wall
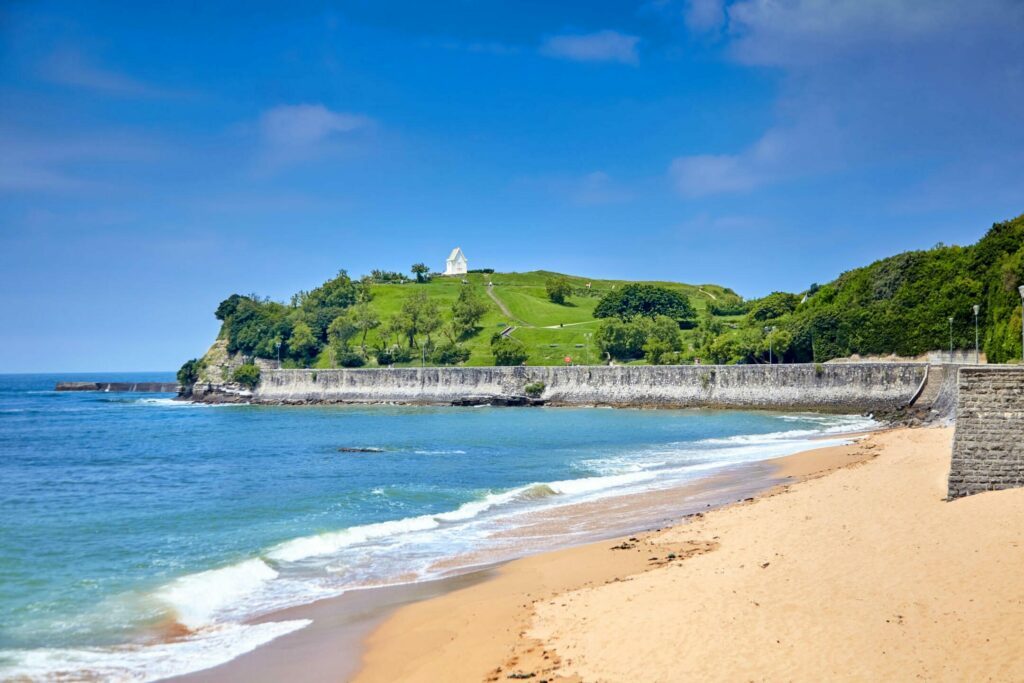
x: 840, y: 388
x: 988, y: 447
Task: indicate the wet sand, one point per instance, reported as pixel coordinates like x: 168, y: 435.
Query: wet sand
x: 331, y: 648
x: 867, y: 573
x: 569, y: 544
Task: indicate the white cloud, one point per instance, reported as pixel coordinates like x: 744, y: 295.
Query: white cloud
x: 596, y: 188
x: 704, y: 15
x: 883, y: 84
x: 602, y: 46
x: 294, y: 133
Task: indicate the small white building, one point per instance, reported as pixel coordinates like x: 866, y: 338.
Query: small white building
x: 456, y: 263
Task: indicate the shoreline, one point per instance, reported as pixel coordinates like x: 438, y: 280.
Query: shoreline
x: 334, y: 645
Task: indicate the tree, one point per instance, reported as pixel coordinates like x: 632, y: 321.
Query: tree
x: 775, y: 305
x: 188, y: 375
x: 508, y: 351
x: 558, y: 289
x: 420, y: 316
x: 467, y: 311
x: 649, y: 301
x: 421, y: 271
x: 302, y: 345
x: 449, y: 353
x: 621, y: 339
x: 364, y: 318
x: 664, y: 341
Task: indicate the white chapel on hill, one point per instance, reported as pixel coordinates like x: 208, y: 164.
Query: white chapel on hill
x: 456, y: 263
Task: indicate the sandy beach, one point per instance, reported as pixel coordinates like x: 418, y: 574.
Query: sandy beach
x: 863, y: 574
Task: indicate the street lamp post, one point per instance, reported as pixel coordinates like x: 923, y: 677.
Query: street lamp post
x: 1021, y: 290
x: 977, y: 352
x: 768, y: 331
x: 950, y: 339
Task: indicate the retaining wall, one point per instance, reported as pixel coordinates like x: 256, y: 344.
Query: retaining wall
x: 840, y: 388
x: 988, y: 446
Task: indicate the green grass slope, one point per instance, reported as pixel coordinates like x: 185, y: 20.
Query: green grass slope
x: 550, y: 331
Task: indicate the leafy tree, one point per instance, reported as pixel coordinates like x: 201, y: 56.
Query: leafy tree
x: 508, y: 351
x: 467, y: 311
x: 558, y: 289
x: 364, y: 318
x: 421, y: 271
x: 621, y: 339
x: 420, y: 316
x: 227, y: 308
x: 449, y: 353
x: 248, y: 375
x: 775, y: 305
x: 649, y: 301
x: 302, y: 345
x: 188, y: 375
x: 664, y: 341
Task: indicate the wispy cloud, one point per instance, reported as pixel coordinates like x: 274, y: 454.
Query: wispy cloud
x: 71, y: 68
x: 866, y: 83
x: 602, y: 46
x: 57, y: 164
x: 294, y: 133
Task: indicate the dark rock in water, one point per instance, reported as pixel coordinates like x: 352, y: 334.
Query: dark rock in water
x: 472, y: 401
x: 345, y: 449
x: 504, y: 401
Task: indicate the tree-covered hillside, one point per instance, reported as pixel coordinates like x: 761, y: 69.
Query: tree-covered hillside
x: 901, y: 304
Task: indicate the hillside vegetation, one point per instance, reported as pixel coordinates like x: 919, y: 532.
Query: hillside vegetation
x: 897, y: 305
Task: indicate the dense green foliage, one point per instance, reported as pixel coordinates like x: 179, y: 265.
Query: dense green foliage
x: 247, y: 374
x: 899, y: 305
x: 634, y: 300
x: 508, y: 351
x: 558, y: 289
x: 534, y: 389
x: 188, y: 374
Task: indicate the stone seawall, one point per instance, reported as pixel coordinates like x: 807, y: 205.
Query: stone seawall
x: 988, y: 446
x: 839, y: 388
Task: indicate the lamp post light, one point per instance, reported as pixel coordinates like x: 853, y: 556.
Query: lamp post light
x: 768, y: 331
x: 1021, y: 290
x: 950, y: 339
x: 977, y: 352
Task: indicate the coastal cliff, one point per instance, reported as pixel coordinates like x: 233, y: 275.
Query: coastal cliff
x: 841, y: 388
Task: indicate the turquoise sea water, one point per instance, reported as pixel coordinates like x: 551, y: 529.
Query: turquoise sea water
x: 138, y: 534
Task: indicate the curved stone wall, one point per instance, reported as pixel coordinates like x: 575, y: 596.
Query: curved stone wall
x: 847, y: 387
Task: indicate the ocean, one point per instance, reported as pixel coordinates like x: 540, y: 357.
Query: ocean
x: 139, y: 535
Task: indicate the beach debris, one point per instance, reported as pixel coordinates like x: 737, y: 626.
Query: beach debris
x: 521, y: 675
x: 765, y: 565
x: 624, y: 546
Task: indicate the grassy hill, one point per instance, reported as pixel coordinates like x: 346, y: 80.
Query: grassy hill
x: 550, y: 331
x: 901, y: 304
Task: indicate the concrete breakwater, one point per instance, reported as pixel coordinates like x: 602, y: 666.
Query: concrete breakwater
x: 145, y: 387
x: 840, y: 388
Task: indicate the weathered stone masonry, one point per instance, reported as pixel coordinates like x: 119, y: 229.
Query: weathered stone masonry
x: 840, y: 388
x: 988, y: 447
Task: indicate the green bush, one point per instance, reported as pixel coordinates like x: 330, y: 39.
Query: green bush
x: 188, y: 375
x: 534, y: 389
x: 508, y: 351
x: 558, y: 288
x: 449, y: 353
x: 248, y: 375
x: 392, y: 355
x: 347, y: 358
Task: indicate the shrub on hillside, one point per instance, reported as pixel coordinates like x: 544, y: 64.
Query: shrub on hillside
x: 534, y: 389
x: 347, y: 358
x: 558, y: 289
x: 247, y: 374
x: 508, y: 351
x: 448, y: 353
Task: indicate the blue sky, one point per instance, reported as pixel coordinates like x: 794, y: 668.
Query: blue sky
x: 156, y: 159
